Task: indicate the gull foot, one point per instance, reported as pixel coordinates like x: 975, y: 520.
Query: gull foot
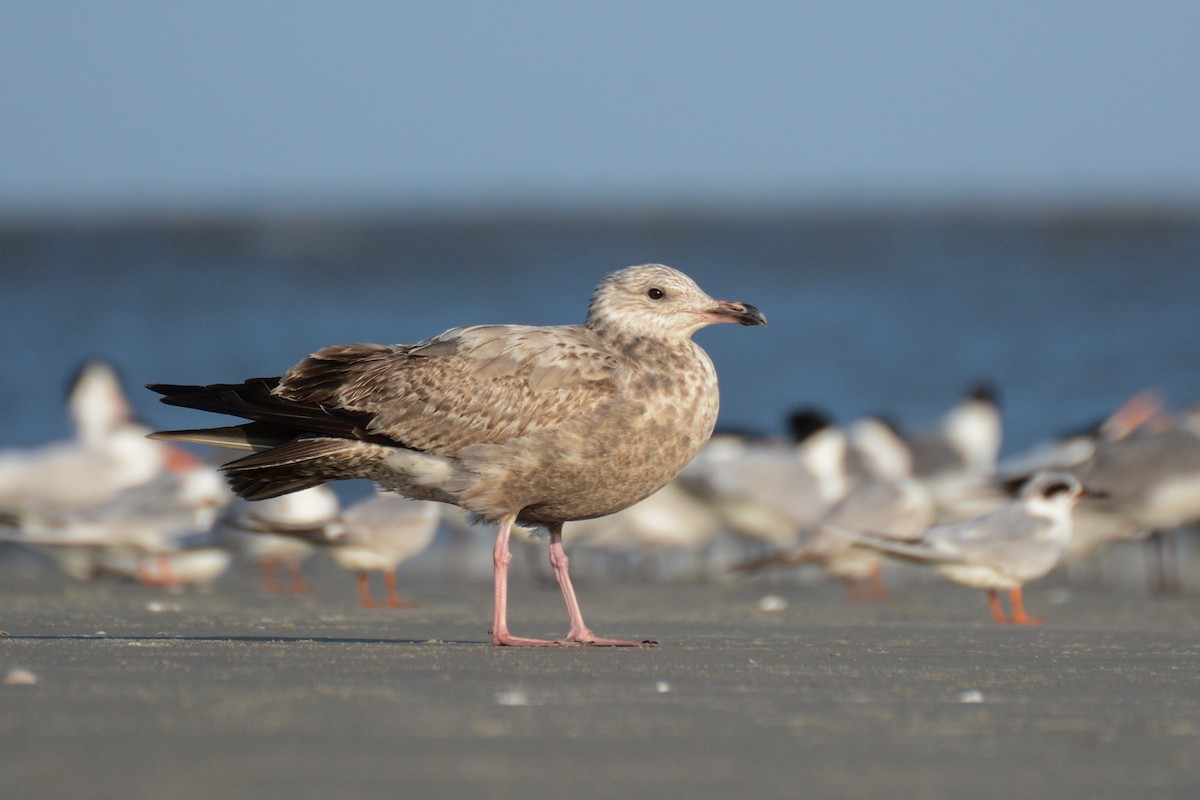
x: 589, y: 638
x: 508, y: 640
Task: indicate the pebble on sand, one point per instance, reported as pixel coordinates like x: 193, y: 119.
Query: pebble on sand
x: 772, y: 602
x: 18, y: 676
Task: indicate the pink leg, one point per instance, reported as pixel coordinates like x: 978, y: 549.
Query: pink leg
x: 579, y: 631
x: 501, y: 558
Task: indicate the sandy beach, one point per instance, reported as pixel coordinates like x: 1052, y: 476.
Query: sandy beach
x: 231, y: 692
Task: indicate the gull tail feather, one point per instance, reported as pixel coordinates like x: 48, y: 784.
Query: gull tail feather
x: 293, y: 466
x: 256, y: 436
x: 255, y: 400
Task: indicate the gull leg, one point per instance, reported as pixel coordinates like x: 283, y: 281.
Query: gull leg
x: 364, y: 590
x: 501, y: 558
x: 1019, y: 615
x: 579, y: 631
x: 997, y: 609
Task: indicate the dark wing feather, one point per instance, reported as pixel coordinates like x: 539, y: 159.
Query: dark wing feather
x: 255, y: 401
x: 293, y: 466
x: 483, y: 384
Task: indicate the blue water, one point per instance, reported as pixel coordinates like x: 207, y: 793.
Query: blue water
x: 868, y: 313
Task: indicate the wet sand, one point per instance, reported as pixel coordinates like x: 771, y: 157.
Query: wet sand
x: 233, y: 693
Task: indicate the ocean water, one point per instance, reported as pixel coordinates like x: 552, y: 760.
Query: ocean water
x: 869, y: 313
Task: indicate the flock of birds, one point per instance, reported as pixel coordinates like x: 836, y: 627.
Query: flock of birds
x: 846, y: 499
x: 113, y: 502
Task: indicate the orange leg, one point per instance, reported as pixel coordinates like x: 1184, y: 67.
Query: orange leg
x: 364, y: 590
x: 298, y: 584
x: 394, y: 601
x: 266, y: 568
x: 166, y: 574
x: 854, y: 591
x: 997, y: 610
x: 1019, y: 615
x: 145, y: 575
x: 876, y: 591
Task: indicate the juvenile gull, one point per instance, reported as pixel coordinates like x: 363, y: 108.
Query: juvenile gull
x: 537, y: 425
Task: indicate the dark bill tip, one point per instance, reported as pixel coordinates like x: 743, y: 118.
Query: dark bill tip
x: 751, y: 316
x: 741, y: 313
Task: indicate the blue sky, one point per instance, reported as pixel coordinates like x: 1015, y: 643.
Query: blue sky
x: 150, y: 105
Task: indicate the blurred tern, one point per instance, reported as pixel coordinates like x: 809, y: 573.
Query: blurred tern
x: 669, y: 521
x: 771, y: 492
x: 1151, y: 482
x: 189, y: 567
x: 97, y: 402
x: 108, y: 454
x: 174, y: 512
x: 886, y: 501
x: 267, y: 531
x: 967, y: 439
x: 957, y: 459
x: 1141, y: 412
x: 378, y: 534
x: 1004, y: 549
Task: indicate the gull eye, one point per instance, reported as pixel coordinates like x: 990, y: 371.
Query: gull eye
x: 656, y: 294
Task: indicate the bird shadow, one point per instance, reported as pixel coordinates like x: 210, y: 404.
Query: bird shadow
x: 330, y: 640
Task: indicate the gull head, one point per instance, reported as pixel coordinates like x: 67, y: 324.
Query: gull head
x: 657, y: 302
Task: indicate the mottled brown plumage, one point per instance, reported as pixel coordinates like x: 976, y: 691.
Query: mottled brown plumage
x: 540, y: 425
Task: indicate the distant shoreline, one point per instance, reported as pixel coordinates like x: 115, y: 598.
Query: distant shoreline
x: 363, y: 217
